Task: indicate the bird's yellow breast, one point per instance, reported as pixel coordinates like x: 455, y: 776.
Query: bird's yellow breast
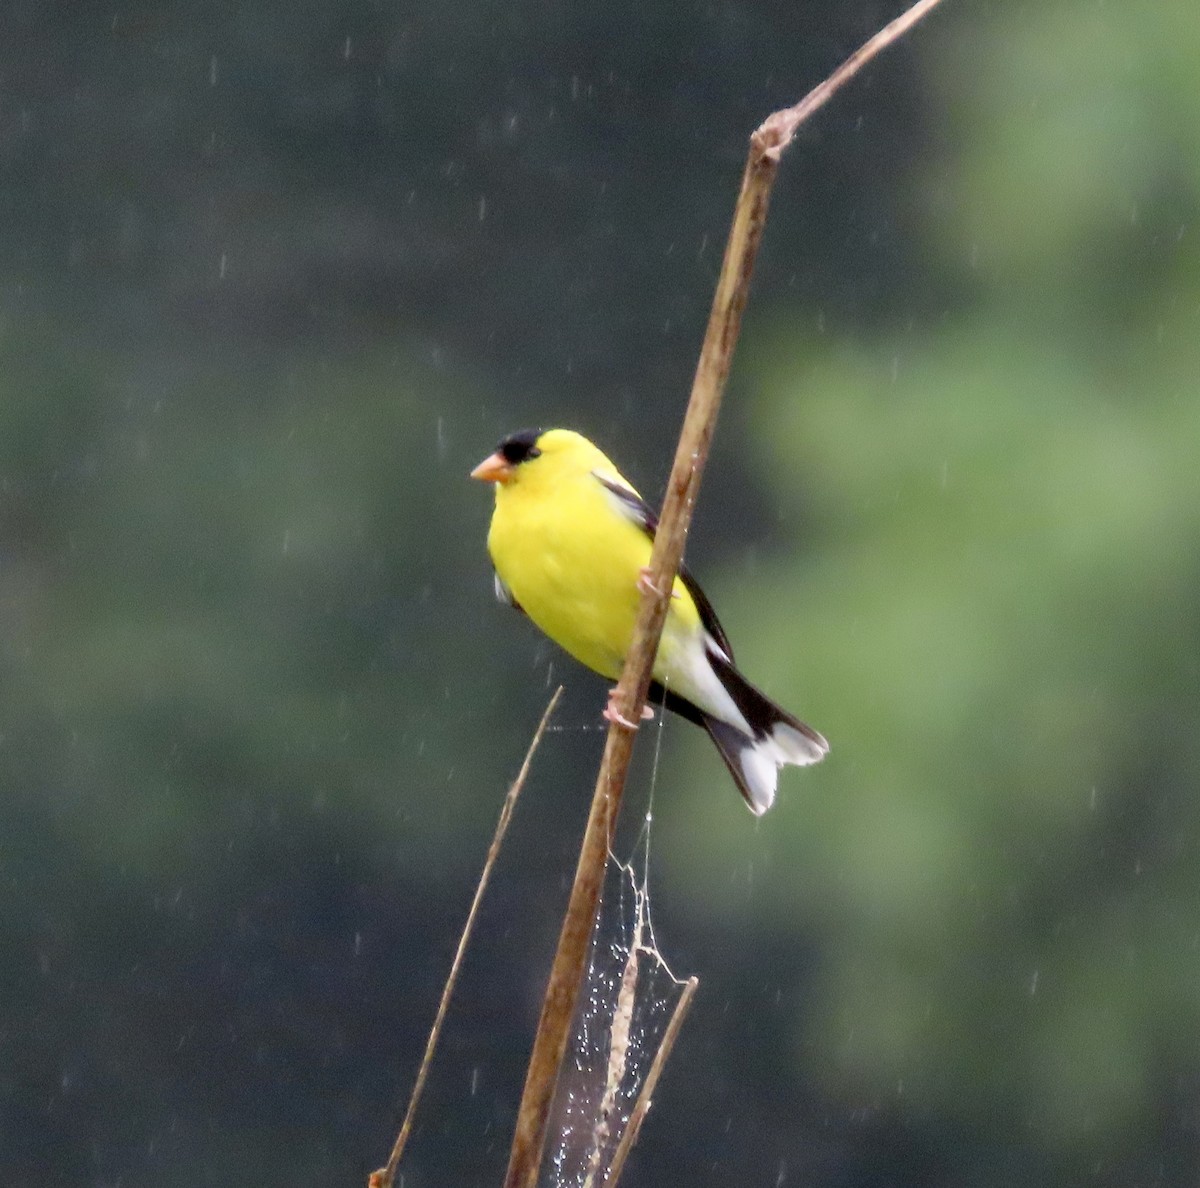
x: 572, y: 560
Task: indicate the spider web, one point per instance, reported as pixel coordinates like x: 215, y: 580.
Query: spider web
x: 628, y: 997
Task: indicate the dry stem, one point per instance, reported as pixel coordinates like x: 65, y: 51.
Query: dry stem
x: 646, y: 1097
x: 386, y: 1175
x: 712, y: 371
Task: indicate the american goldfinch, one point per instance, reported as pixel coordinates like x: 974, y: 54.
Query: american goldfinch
x: 570, y: 541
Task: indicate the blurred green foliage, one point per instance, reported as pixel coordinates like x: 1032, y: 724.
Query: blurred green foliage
x: 996, y: 620
x: 273, y: 278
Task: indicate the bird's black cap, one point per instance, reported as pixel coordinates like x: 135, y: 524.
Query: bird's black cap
x: 520, y: 447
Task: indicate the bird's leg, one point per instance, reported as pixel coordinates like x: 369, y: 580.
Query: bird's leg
x: 612, y: 714
x: 646, y: 586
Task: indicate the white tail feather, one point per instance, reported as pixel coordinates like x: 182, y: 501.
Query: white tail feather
x: 793, y: 747
x: 759, y: 762
x: 761, y: 773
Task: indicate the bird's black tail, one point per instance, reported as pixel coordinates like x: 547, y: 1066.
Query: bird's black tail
x: 777, y: 739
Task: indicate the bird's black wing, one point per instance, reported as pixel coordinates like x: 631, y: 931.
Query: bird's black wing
x: 634, y: 508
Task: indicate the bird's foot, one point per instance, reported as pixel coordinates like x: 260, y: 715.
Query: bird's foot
x: 646, y: 586
x: 612, y: 714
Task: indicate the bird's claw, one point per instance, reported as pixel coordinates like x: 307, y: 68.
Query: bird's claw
x: 646, y: 586
x: 612, y: 714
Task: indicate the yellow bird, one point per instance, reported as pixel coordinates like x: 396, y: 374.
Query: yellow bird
x: 570, y: 541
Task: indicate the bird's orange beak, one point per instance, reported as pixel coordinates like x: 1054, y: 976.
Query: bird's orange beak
x: 495, y: 468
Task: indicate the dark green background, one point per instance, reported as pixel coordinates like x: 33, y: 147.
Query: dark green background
x: 274, y: 276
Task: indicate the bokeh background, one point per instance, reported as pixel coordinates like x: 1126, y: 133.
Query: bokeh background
x: 274, y: 276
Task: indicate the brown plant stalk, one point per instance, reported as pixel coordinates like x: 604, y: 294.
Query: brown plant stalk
x: 712, y: 371
x: 645, y: 1098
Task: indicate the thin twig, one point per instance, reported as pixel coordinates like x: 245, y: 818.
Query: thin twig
x: 645, y: 1099
x: 618, y: 1055
x: 777, y: 130
x: 712, y: 371
x: 386, y: 1175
